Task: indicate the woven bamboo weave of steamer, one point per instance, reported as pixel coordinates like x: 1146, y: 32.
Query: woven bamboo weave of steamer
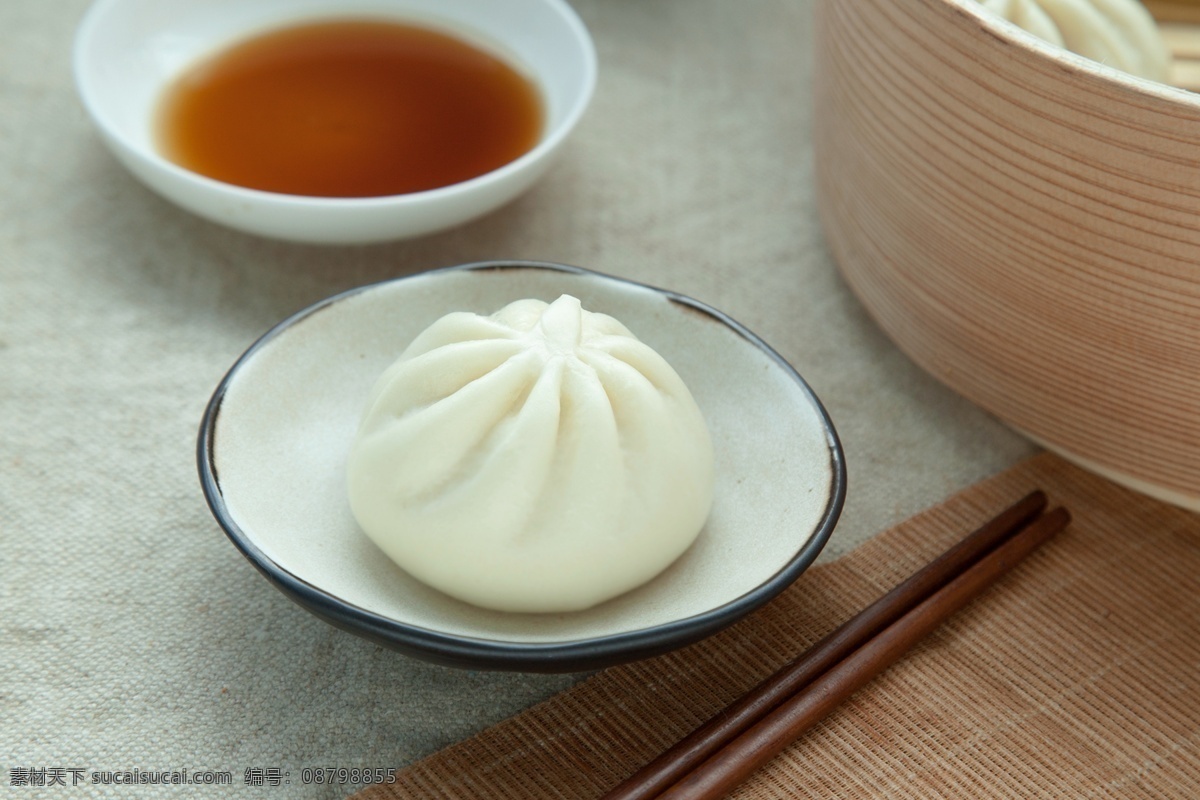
x: 1024, y: 223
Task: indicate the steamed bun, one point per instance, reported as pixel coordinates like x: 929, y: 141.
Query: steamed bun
x: 1120, y: 33
x: 541, y: 459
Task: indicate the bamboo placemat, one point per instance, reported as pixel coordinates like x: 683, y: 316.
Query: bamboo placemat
x: 1078, y: 676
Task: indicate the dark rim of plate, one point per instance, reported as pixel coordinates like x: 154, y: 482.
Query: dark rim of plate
x: 471, y: 652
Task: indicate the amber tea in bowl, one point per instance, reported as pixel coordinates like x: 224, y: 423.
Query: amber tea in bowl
x: 302, y: 118
x: 349, y: 108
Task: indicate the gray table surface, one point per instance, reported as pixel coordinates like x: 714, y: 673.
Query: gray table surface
x: 132, y: 634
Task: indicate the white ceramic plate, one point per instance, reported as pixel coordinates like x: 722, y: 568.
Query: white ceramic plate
x: 274, y: 441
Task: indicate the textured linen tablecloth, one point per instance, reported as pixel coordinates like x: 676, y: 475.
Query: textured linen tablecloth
x: 132, y: 634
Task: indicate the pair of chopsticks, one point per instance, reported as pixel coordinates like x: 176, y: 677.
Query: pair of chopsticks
x: 723, y: 752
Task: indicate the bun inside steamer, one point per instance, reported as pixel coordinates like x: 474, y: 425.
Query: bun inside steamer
x: 1119, y: 33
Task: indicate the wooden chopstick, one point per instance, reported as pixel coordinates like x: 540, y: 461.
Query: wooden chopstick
x: 706, y: 740
x: 766, y: 739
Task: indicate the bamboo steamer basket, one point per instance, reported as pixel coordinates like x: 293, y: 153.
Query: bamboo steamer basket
x: 1024, y: 223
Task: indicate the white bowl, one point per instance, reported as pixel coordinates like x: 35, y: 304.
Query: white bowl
x: 273, y: 446
x: 127, y: 51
